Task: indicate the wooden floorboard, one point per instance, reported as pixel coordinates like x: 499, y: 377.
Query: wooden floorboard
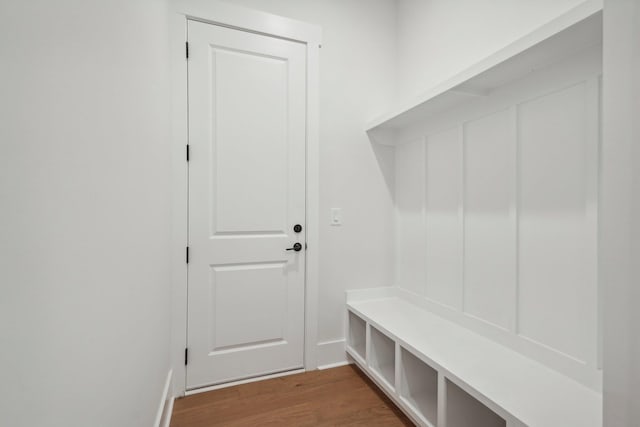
x: 333, y: 397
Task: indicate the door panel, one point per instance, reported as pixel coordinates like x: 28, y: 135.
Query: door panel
x: 252, y: 321
x: 250, y: 107
x: 247, y: 115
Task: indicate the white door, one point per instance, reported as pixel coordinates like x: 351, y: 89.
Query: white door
x: 247, y: 136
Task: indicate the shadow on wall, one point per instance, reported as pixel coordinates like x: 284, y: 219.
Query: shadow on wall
x: 385, y: 156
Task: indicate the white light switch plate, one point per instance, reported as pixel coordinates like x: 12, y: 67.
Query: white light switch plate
x: 336, y: 216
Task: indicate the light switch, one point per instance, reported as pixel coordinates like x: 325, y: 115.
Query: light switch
x: 336, y: 216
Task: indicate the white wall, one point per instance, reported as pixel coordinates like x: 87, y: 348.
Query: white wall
x: 619, y: 236
x: 84, y: 212
x: 439, y: 38
x: 356, y: 82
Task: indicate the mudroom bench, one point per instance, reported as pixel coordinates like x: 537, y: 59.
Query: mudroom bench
x: 444, y: 375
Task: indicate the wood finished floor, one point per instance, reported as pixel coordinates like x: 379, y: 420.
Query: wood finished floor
x: 334, y: 397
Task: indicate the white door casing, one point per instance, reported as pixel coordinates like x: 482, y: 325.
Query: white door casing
x: 247, y: 136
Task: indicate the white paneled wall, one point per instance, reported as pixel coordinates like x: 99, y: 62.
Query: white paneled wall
x: 490, y: 218
x: 443, y: 217
x: 410, y: 231
x: 497, y: 221
x: 557, y: 220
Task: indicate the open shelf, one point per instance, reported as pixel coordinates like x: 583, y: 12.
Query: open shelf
x: 503, y: 383
x: 418, y: 387
x: 464, y: 410
x: 383, y: 356
x: 577, y: 30
x: 357, y: 336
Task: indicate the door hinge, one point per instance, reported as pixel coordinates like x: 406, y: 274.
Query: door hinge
x: 188, y: 152
x: 186, y: 356
x: 187, y: 254
x: 186, y: 45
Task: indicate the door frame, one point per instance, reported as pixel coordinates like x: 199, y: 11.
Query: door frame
x: 241, y: 18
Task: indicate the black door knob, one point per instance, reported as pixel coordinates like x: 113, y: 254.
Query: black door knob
x: 297, y: 228
x: 296, y: 247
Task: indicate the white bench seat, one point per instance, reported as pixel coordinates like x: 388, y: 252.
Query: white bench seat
x: 520, y: 390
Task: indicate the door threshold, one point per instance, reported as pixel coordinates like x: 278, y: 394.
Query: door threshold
x: 245, y: 381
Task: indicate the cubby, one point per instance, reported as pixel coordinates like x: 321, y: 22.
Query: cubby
x: 418, y: 386
x: 450, y: 376
x: 463, y: 410
x: 383, y: 356
x: 357, y: 335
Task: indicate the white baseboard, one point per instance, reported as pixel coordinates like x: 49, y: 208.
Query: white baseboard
x: 168, y: 413
x: 332, y: 354
x: 335, y: 365
x: 165, y: 409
